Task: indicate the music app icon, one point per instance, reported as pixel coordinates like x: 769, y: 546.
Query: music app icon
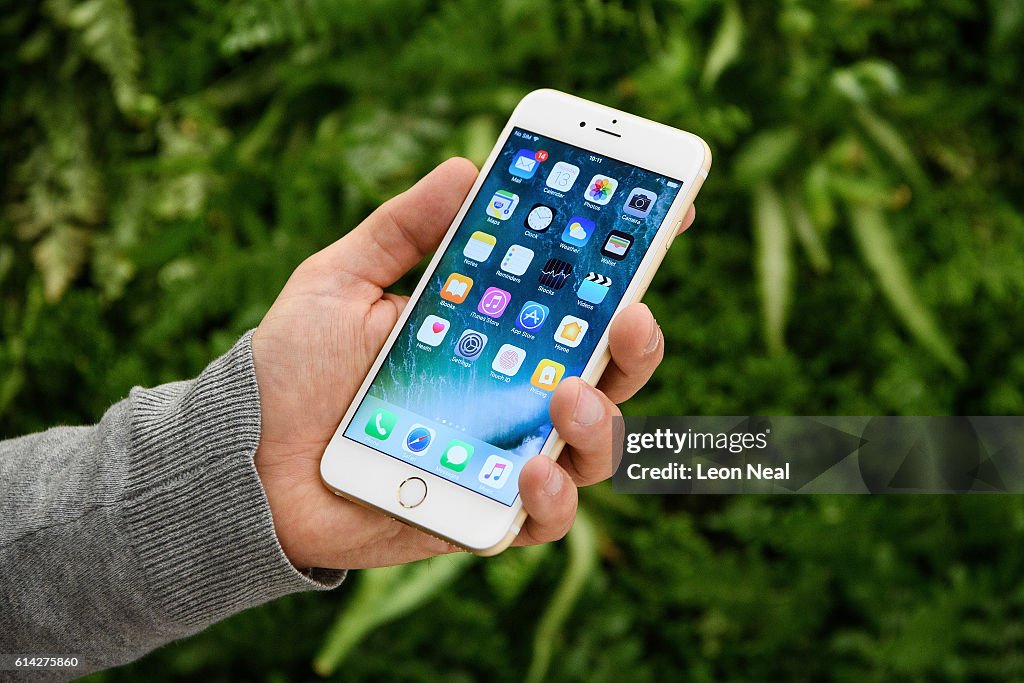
x: 495, y: 472
x: 494, y: 302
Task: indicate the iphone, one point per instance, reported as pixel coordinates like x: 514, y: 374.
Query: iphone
x: 566, y: 224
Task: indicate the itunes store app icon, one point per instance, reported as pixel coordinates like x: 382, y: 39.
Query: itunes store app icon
x: 508, y: 360
x: 494, y: 302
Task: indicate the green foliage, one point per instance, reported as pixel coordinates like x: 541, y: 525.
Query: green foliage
x: 165, y: 167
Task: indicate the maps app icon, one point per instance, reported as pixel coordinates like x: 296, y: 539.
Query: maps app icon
x: 502, y: 204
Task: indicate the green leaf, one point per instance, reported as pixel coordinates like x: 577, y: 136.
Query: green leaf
x: 725, y: 47
x: 885, y: 135
x: 876, y: 245
x: 765, y: 154
x: 582, y: 542
x: 807, y: 233
x: 774, y: 263
x: 383, y: 595
x: 59, y: 257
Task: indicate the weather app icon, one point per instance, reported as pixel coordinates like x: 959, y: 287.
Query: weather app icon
x: 578, y: 231
x: 532, y: 316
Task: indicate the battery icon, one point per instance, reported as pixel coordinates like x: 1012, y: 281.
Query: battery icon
x: 672, y: 183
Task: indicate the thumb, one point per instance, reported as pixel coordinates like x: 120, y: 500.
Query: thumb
x: 401, y: 231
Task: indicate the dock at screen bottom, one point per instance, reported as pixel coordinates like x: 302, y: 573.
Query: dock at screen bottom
x: 437, y: 448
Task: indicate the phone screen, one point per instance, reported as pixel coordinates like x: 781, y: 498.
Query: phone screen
x: 518, y: 302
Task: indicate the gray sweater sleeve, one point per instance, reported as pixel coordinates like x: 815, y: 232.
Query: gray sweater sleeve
x: 144, y: 528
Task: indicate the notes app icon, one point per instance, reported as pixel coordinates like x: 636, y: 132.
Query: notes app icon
x: 496, y: 472
x: 480, y: 246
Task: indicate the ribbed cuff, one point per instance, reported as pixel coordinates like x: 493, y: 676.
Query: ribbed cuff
x: 196, y: 511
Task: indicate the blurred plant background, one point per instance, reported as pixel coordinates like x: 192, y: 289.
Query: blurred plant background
x: 859, y: 250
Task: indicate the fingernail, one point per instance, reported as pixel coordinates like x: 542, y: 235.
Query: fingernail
x: 655, y: 338
x: 588, y: 407
x: 553, y: 484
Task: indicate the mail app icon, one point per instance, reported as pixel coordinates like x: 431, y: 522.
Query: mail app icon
x: 524, y: 165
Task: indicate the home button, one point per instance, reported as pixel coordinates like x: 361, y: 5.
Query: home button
x: 411, y: 492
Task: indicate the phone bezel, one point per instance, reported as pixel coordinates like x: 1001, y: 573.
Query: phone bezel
x: 450, y: 511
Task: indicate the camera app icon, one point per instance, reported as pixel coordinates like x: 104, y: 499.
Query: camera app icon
x: 639, y: 202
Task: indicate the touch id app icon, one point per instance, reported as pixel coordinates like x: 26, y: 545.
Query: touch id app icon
x: 508, y: 360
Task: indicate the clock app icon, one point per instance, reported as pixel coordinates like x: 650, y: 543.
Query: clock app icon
x: 539, y: 218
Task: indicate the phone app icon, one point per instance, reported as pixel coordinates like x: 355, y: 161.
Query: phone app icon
x: 418, y: 439
x: 479, y: 246
x: 571, y: 330
x: 617, y: 245
x: 639, y: 202
x: 381, y: 424
x: 547, y: 375
x: 494, y: 302
x: 594, y: 288
x: 456, y: 288
x: 555, y: 273
x: 433, y: 330
x: 562, y: 176
x: 508, y: 360
x: 578, y: 231
x: 457, y: 455
x: 532, y: 316
x: 495, y: 472
x: 517, y: 259
x: 471, y: 344
x: 600, y: 189
x: 525, y: 164
x: 502, y: 204
x: 540, y: 217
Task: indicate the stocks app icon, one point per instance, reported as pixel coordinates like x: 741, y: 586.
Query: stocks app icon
x: 555, y: 273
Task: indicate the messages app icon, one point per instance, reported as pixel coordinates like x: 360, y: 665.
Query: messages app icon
x: 578, y: 231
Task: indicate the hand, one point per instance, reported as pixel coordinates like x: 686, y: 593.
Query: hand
x: 317, y: 342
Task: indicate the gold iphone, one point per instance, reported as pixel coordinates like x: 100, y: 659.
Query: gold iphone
x: 566, y: 224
